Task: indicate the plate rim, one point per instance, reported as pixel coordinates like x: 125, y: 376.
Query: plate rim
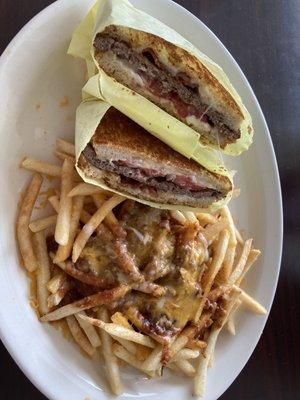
x: 21, y: 363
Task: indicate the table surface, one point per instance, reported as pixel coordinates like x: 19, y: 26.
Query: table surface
x: 264, y: 38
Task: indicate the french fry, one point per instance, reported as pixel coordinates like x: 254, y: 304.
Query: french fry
x: 41, y: 167
x: 56, y: 282
x: 64, y: 252
x: 62, y: 229
x: 190, y: 216
x: 42, y: 223
x: 238, y: 270
x: 89, y: 330
x: 212, y: 231
x: 185, y: 354
x: 84, y: 189
x: 205, y: 218
x: 186, y: 367
x: 153, y: 361
x: 201, y: 370
x: 62, y: 156
x: 121, y: 332
x: 204, y: 359
x: 84, y: 216
x: 130, y: 359
x: 120, y: 319
x: 253, y: 256
x: 252, y: 304
x: 179, y: 343
x: 93, y: 223
x: 229, y: 256
x: 98, y: 299
x: 195, y: 344
x: 43, y: 271
x: 54, y: 201
x: 55, y: 298
x: 239, y: 236
x: 23, y: 231
x: 61, y: 265
x: 230, y: 321
x: 79, y: 336
x: 178, y: 216
x: 129, y: 346
x: 113, y: 372
x: 214, y: 268
x: 110, y: 219
x: 66, y: 147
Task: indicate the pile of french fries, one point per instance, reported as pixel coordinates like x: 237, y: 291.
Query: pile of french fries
x: 90, y: 323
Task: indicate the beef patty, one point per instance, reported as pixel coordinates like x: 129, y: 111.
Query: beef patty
x: 134, y: 176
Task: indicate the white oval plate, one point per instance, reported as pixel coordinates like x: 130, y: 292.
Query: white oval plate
x: 36, y: 75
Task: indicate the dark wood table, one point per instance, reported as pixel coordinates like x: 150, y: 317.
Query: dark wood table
x: 264, y: 38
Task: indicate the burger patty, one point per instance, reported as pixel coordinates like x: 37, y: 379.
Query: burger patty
x: 176, y: 89
x: 136, y: 176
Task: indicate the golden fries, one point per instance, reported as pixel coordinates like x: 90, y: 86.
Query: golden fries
x: 120, y: 331
x: 238, y: 270
x: 186, y: 367
x: 62, y: 156
x: 214, y: 269
x: 209, y: 244
x: 178, y: 216
x: 205, y: 218
x: 62, y: 229
x: 41, y: 167
x: 230, y: 320
x: 190, y: 216
x: 43, y: 271
x: 86, y: 303
x: 56, y: 282
x: 113, y: 372
x: 253, y: 255
x: 212, y: 231
x: 64, y: 252
x: 252, y: 304
x: 185, y: 354
x: 204, y: 359
x: 93, y: 223
x: 130, y: 359
x: 43, y: 223
x: 229, y: 256
x: 84, y: 189
x: 89, y: 330
x: 65, y: 147
x: 153, y: 361
x: 23, y: 231
x: 119, y: 319
x: 79, y: 336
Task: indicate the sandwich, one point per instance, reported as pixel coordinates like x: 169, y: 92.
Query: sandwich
x: 157, y: 78
x: 123, y: 157
x: 172, y: 79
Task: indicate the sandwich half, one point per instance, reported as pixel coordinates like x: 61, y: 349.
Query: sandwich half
x: 127, y: 159
x: 173, y: 79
